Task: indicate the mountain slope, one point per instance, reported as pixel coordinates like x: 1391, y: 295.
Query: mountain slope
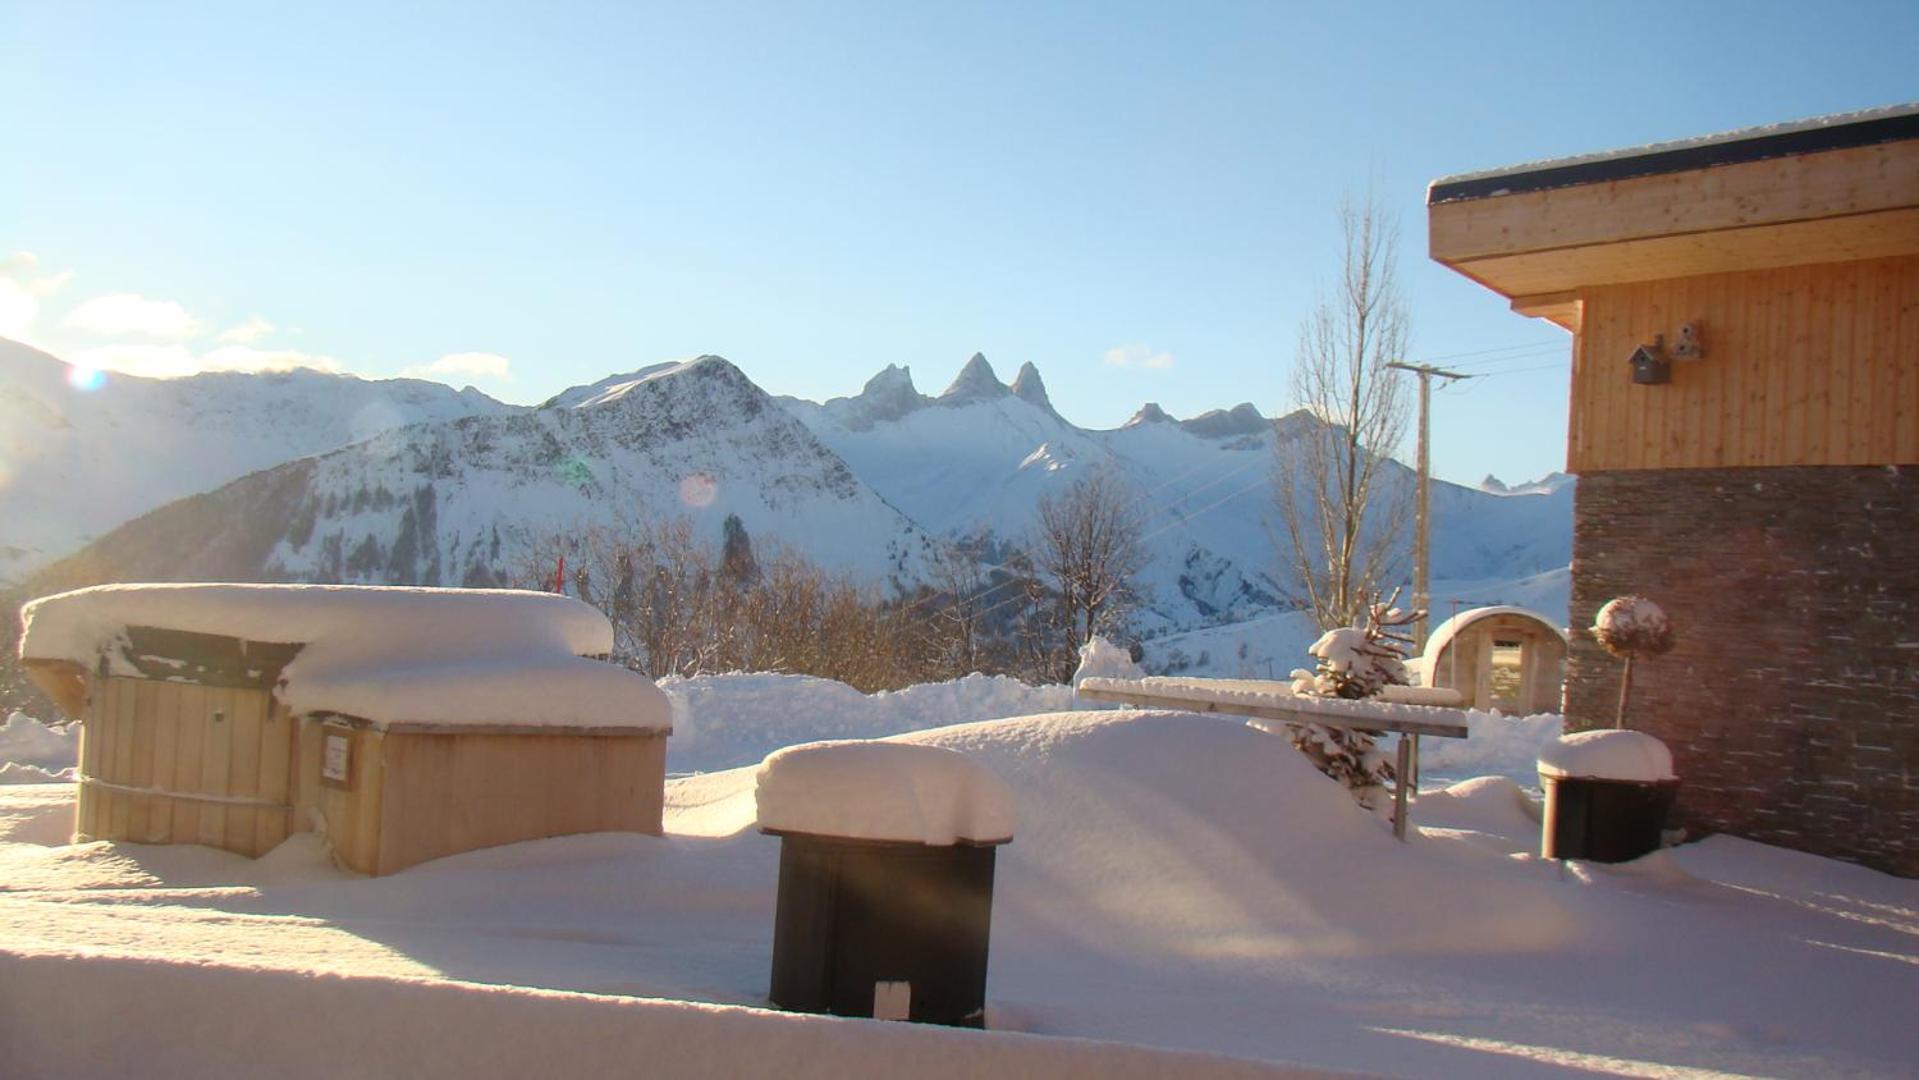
x: 75, y: 462
x: 458, y: 502
x: 976, y: 459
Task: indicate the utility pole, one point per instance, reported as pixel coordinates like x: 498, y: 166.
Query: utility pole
x: 1422, y: 518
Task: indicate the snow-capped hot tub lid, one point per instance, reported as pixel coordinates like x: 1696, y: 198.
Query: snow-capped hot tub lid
x: 1631, y: 756
x: 877, y: 790
x: 419, y: 656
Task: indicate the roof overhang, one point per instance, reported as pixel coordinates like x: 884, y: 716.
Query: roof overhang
x: 1828, y: 190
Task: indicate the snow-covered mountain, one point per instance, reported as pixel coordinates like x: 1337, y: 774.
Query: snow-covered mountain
x: 1545, y: 485
x: 975, y: 459
x: 869, y: 484
x: 456, y: 502
x: 80, y: 456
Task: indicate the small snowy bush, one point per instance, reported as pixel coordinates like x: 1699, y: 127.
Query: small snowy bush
x: 1354, y: 662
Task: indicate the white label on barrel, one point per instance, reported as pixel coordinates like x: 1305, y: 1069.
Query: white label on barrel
x: 334, y: 763
x: 892, y: 1000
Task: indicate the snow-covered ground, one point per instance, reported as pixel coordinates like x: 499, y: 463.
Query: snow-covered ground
x: 1175, y: 881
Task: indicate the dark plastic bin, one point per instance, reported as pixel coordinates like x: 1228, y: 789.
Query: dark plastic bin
x: 1604, y: 820
x: 856, y: 913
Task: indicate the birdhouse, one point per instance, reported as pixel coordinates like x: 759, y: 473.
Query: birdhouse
x: 1650, y: 366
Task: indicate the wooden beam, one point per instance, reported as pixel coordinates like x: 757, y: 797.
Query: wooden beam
x: 1777, y: 191
x: 1560, y: 308
x: 62, y: 680
x: 1885, y: 234
x: 1445, y: 729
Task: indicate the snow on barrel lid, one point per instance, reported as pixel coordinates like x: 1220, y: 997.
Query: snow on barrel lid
x: 383, y: 653
x: 878, y: 790
x: 1607, y: 755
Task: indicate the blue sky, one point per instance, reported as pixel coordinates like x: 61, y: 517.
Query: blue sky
x: 526, y: 197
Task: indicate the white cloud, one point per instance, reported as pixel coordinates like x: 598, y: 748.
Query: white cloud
x: 1138, y: 355
x: 131, y: 315
x: 247, y: 333
x: 247, y: 358
x: 22, y: 286
x: 152, y: 361
x: 471, y: 365
x: 174, y: 361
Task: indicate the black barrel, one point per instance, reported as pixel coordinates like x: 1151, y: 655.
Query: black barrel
x: 1604, y: 820
x: 901, y: 925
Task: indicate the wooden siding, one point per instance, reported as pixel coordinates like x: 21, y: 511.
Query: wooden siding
x: 1807, y: 365
x: 148, y: 748
x: 350, y: 815
x: 445, y: 794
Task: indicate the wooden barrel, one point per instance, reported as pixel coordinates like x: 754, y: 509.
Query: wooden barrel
x: 182, y: 763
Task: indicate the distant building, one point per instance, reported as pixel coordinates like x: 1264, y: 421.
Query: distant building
x: 1745, y: 428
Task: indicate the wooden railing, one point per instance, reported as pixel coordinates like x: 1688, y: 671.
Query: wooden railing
x: 1269, y: 705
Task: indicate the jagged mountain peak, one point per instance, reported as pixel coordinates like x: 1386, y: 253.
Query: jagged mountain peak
x: 1149, y: 413
x: 975, y: 382
x: 1030, y: 388
x: 888, y: 395
x: 1241, y: 419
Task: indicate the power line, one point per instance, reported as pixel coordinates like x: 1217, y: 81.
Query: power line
x: 1498, y: 349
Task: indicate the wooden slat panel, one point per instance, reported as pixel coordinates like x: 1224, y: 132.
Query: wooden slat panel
x: 1905, y: 413
x: 369, y: 748
x: 92, y: 735
x: 450, y: 793
x: 192, y: 703
x: 304, y: 774
x: 1829, y: 292
x: 274, y: 783
x: 1804, y: 366
x: 243, y: 774
x: 121, y: 816
x: 1792, y: 326
x: 216, y: 763
x: 165, y: 712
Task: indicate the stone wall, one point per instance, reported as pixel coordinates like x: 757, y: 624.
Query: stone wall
x: 1791, y: 701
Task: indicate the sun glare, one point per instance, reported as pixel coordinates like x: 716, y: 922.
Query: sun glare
x: 698, y: 490
x: 86, y: 378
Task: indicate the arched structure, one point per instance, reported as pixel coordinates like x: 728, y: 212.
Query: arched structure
x: 1506, y: 658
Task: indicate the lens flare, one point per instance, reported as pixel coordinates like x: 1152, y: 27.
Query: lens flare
x: 698, y: 491
x: 86, y: 379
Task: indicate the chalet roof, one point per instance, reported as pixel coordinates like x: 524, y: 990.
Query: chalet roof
x: 1828, y: 190
x: 1838, y: 131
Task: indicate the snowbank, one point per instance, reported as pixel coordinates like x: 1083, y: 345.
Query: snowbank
x: 729, y: 721
x: 1177, y: 881
x: 241, y: 1022
x: 420, y: 655
x: 1607, y: 755
x: 883, y: 791
x: 1495, y: 745
x: 33, y: 753
x: 1100, y: 658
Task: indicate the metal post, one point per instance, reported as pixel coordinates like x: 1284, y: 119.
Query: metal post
x: 1399, y: 786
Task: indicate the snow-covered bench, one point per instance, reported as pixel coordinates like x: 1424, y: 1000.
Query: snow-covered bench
x: 1269, y: 706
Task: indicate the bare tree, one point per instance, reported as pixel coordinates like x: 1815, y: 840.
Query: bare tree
x: 1342, y: 516
x: 1089, y: 549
